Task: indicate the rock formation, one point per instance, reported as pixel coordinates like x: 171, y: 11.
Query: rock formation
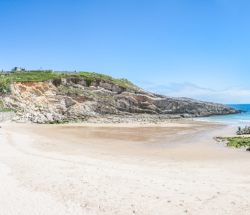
x: 71, y: 98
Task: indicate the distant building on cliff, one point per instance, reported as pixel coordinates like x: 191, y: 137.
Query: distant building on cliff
x: 18, y: 69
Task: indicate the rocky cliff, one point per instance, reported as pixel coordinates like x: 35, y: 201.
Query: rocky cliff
x: 74, y: 98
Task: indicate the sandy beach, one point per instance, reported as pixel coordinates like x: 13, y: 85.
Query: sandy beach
x: 173, y: 168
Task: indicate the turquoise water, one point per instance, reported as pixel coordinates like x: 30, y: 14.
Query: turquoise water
x: 241, y: 118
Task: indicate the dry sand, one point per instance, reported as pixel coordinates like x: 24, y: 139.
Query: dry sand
x: 174, y: 168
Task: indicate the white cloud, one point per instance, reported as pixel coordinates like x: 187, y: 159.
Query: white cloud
x: 227, y: 96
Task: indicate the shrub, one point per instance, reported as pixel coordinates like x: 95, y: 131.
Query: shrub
x: 242, y: 131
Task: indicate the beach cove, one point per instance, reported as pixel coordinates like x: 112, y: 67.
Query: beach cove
x: 174, y: 168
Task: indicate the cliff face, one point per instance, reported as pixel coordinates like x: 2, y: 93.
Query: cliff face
x: 67, y: 99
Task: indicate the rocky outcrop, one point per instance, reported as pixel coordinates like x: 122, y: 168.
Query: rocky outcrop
x: 67, y: 99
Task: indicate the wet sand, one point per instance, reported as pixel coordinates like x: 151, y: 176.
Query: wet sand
x: 173, y: 168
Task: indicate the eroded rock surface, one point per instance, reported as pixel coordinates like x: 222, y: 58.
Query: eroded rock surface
x: 74, y: 99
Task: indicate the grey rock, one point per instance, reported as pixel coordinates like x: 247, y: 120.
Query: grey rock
x: 71, y: 99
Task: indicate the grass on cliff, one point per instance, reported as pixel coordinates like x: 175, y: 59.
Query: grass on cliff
x: 7, y: 78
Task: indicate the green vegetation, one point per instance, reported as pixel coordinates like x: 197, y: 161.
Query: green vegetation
x: 238, y: 142
x: 44, y: 75
x: 4, y: 85
x: 3, y: 109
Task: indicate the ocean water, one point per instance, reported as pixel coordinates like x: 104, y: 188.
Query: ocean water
x: 241, y: 118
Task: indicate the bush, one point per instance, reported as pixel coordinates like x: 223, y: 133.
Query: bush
x: 238, y: 142
x: 4, y: 85
x: 242, y: 131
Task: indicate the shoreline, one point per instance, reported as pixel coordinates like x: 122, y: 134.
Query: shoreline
x: 153, y: 121
x: 128, y: 118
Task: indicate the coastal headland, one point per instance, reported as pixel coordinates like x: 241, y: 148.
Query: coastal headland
x: 59, y: 97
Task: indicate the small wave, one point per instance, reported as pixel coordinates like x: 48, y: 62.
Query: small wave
x: 248, y: 121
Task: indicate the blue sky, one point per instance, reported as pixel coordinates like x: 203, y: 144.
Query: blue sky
x: 190, y: 48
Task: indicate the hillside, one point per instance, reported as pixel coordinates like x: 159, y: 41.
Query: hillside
x: 48, y: 97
